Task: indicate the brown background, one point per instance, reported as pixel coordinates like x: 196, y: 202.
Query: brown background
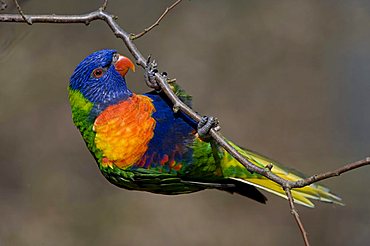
x: 289, y: 79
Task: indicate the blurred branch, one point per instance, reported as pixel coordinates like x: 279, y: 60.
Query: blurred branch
x: 104, y: 6
x: 146, y: 30
x: 100, y: 14
x: 21, y: 12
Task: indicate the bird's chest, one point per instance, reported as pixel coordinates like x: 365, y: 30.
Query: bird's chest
x: 124, y: 130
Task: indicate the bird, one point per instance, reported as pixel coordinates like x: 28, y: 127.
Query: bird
x: 140, y: 143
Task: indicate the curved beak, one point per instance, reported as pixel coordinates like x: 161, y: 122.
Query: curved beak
x: 123, y: 64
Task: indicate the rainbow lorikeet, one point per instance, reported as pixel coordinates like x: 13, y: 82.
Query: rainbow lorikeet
x: 140, y: 143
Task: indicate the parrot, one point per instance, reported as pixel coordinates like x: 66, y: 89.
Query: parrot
x: 140, y: 143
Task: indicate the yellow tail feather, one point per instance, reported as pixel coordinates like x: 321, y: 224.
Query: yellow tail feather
x: 301, y: 195
x: 276, y: 189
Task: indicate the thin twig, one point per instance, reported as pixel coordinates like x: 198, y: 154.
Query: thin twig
x: 178, y: 104
x: 318, y: 177
x: 146, y: 30
x: 104, y: 6
x: 295, y: 214
x: 29, y: 22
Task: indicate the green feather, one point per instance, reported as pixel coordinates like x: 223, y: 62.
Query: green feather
x: 81, y: 109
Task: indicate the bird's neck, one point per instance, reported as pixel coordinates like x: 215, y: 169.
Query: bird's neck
x: 81, y: 109
x: 99, y: 107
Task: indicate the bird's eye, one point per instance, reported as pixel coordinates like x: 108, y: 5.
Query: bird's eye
x: 115, y: 57
x: 98, y: 72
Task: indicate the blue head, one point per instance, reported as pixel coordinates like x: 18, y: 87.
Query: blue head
x: 100, y: 78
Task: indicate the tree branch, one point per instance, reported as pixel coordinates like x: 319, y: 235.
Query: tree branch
x: 318, y: 177
x: 104, y: 6
x: 146, y: 30
x: 295, y: 214
x: 100, y: 14
x: 21, y: 12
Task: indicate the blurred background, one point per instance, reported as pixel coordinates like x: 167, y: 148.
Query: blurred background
x: 289, y: 79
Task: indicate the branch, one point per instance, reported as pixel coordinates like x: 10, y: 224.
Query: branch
x: 295, y: 214
x: 104, y: 6
x: 21, y: 13
x: 318, y: 177
x: 100, y: 14
x: 146, y: 30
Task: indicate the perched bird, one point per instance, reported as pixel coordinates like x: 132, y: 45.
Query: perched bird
x: 140, y: 143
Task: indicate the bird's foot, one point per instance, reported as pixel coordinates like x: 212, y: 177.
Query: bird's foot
x: 205, y: 125
x: 150, y: 71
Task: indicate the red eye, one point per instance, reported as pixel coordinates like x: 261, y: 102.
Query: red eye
x: 98, y: 72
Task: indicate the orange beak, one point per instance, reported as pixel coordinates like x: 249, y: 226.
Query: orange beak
x: 123, y: 64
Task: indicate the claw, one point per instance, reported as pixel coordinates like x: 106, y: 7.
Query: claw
x: 150, y: 71
x: 205, y: 125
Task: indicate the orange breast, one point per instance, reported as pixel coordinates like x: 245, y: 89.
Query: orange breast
x: 124, y: 130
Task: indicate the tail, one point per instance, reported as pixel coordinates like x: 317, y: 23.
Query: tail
x: 234, y: 170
